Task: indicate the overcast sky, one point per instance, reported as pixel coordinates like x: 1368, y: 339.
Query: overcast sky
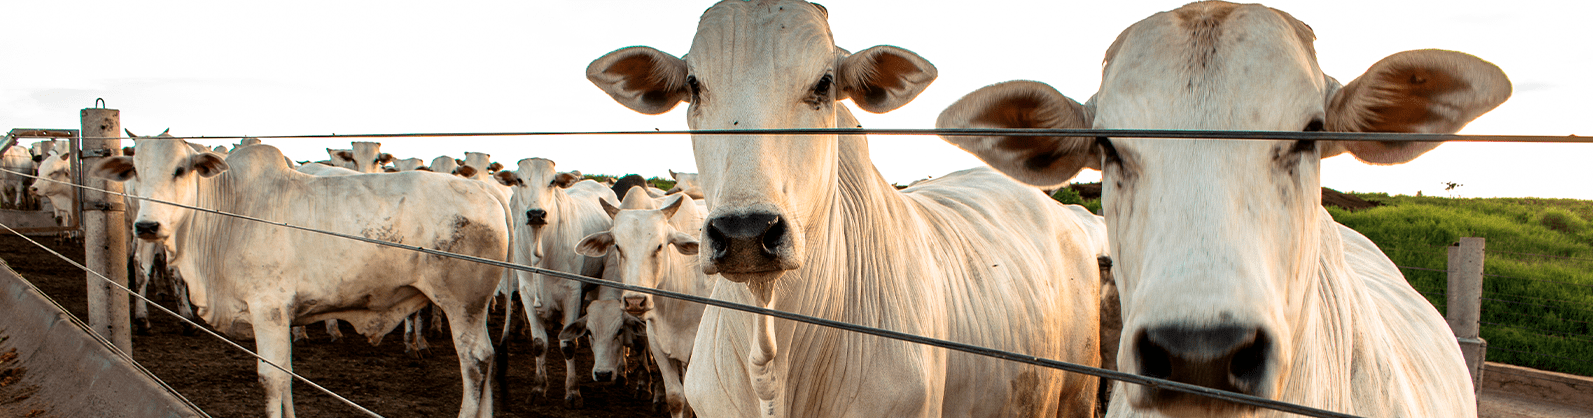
x: 205, y: 68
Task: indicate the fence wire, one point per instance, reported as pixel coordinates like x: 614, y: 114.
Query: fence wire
x: 194, y: 324
x: 1568, y: 335
x: 1151, y: 382
x: 1113, y: 133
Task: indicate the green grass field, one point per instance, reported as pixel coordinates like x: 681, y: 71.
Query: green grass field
x: 1537, y: 306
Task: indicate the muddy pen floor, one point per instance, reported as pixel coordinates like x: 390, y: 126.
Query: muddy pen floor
x: 222, y: 380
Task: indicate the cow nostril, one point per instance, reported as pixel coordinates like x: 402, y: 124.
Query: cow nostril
x: 146, y: 228
x: 1225, y: 357
x: 773, y: 236
x: 603, y: 376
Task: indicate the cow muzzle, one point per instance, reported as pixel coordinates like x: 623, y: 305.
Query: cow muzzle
x: 1227, y: 357
x: 147, y: 230
x: 749, y: 246
x: 637, y: 305
x: 536, y: 217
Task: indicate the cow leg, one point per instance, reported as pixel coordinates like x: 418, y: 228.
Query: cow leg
x: 572, y: 392
x: 436, y: 321
x: 474, y: 344
x: 185, y: 306
x: 674, y: 391
x: 271, y: 342
x: 333, y: 330
x: 141, y: 285
x: 539, y: 339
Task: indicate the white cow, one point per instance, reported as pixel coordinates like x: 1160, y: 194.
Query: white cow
x: 482, y: 165
x: 410, y: 164
x: 368, y: 157
x: 13, y: 186
x: 150, y: 260
x: 809, y: 226
x: 252, y: 278
x: 686, y: 183
x: 341, y: 158
x: 60, y: 193
x: 444, y: 164
x: 643, y: 235
x: 1231, y: 274
x: 552, y: 212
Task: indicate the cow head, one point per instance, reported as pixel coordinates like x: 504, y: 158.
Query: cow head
x: 342, y: 158
x: 534, y: 185
x: 640, y: 237
x: 611, y: 332
x: 1217, y: 243
x: 368, y: 157
x: 760, y: 65
x: 480, y: 161
x: 56, y: 169
x: 165, y: 169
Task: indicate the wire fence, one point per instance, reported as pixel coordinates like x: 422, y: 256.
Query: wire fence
x: 1151, y: 382
x: 1107, y: 374
x: 207, y: 331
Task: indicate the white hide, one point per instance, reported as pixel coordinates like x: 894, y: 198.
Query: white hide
x: 571, y: 211
x: 1213, y: 238
x: 253, y: 278
x: 971, y: 257
x: 657, y: 249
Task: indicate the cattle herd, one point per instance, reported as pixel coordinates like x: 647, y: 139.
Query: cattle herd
x: 1228, y: 273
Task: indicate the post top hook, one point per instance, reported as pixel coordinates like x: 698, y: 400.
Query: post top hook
x: 99, y: 103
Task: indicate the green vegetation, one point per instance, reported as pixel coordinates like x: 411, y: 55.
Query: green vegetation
x: 1537, y: 306
x: 1068, y: 196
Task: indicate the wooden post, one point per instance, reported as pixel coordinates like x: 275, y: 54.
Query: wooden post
x: 105, y: 229
x: 1465, y: 303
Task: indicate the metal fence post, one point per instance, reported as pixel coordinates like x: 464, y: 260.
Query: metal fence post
x: 104, y: 228
x: 1465, y: 303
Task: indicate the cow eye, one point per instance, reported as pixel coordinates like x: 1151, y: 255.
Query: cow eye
x: 660, y: 248
x: 180, y: 172
x: 823, y: 87
x: 696, y: 88
x: 1314, y: 126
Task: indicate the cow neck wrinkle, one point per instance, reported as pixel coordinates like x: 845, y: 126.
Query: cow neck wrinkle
x: 862, y: 217
x: 251, y: 170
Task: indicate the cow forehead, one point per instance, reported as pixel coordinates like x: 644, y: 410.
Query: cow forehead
x: 1215, y: 66
x: 160, y: 153
x: 604, y: 316
x: 536, y: 169
x: 639, y: 228
x: 738, y: 36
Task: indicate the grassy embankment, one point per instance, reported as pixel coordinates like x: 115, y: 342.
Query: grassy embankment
x: 1537, y: 306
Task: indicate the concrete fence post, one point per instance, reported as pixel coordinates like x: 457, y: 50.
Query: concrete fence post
x: 1465, y: 303
x: 105, y: 228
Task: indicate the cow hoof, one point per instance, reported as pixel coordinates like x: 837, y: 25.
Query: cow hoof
x: 574, y: 400
x: 142, y: 327
x: 190, y: 330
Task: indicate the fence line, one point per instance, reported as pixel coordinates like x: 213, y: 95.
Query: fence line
x: 1495, y: 347
x: 1421, y: 268
x: 1569, y: 335
x: 1117, y: 133
x: 1534, y: 304
x: 1540, y: 317
x: 1154, y: 383
x: 1538, y: 298
x: 1590, y: 286
x: 196, y: 325
x: 1542, y: 255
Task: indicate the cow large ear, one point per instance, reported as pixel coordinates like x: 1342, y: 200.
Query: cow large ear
x: 345, y: 155
x: 129, y: 151
x: 595, y: 245
x: 684, y: 243
x: 641, y: 78
x: 608, y: 208
x: 208, y: 164
x: 1422, y: 91
x: 1045, y: 161
x: 883, y: 78
x: 574, y: 330
x: 114, y: 169
x: 565, y: 180
x: 384, y: 158
x: 507, y: 178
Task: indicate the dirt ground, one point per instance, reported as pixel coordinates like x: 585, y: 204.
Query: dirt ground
x: 222, y: 380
